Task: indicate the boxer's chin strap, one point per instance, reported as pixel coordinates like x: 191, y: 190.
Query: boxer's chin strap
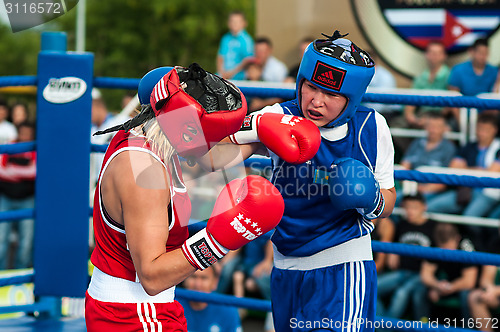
x: 146, y: 114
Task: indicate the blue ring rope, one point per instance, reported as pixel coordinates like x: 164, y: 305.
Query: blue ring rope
x: 249, y: 303
x: 17, y: 280
x: 287, y: 93
x: 18, y: 81
x: 430, y: 253
x: 449, y: 179
x: 17, y: 147
x: 6, y: 216
x: 439, y: 254
x: 116, y: 83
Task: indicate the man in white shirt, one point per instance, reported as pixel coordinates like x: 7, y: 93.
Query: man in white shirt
x: 8, y: 132
x: 273, y: 70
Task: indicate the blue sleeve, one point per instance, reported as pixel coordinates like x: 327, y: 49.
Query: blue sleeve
x: 493, y: 78
x: 223, y: 46
x: 462, y: 153
x: 233, y: 320
x: 454, y: 79
x: 448, y: 153
x: 249, y: 46
x: 409, y: 155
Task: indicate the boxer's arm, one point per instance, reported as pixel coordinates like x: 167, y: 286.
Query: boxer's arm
x: 143, y: 199
x: 227, y: 154
x: 390, y: 201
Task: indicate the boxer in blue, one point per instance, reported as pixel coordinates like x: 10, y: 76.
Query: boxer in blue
x: 324, y: 276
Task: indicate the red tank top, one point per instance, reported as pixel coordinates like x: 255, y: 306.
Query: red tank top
x: 111, y: 253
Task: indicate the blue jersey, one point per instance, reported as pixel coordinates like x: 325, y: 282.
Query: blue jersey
x: 214, y: 317
x: 465, y: 78
x: 235, y: 48
x: 311, y: 223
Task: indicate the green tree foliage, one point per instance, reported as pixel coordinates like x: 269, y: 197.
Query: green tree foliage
x: 18, y: 51
x: 130, y: 37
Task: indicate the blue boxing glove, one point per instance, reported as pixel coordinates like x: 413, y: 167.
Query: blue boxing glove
x: 352, y: 185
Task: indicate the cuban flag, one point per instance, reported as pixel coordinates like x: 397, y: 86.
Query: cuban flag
x: 456, y: 28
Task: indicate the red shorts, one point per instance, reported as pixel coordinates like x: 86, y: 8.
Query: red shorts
x: 124, y: 317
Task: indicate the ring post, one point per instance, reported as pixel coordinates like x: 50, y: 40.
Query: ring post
x: 63, y: 166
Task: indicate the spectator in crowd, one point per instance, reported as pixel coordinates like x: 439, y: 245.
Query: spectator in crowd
x: 292, y: 73
x: 236, y: 47
x: 403, y: 282
x: 383, y: 79
x: 101, y: 119
x: 127, y: 98
x: 483, y: 154
x: 476, y: 75
x: 496, y: 87
x: 8, y: 132
x: 433, y: 150
x: 202, y: 316
x: 435, y: 77
x: 273, y: 70
x: 17, y: 185
x: 383, y: 232
x: 447, y: 279
x: 487, y: 297
x: 19, y: 114
x: 253, y: 275
x: 253, y: 72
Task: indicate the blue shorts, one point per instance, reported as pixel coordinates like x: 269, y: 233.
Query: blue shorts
x: 336, y: 298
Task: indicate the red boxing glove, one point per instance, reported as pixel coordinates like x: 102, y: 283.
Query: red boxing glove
x: 244, y: 210
x: 293, y: 138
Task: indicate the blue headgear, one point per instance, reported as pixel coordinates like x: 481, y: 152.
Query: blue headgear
x: 148, y: 82
x: 337, y: 65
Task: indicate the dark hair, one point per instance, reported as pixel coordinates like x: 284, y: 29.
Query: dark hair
x: 264, y: 40
x: 435, y: 115
x: 28, y: 124
x: 436, y: 42
x: 129, y: 93
x: 444, y: 232
x: 18, y: 103
x: 488, y: 118
x: 414, y: 197
x: 308, y: 39
x: 3, y: 103
x: 479, y: 42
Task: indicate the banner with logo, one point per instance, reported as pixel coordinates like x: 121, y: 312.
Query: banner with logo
x: 399, y: 30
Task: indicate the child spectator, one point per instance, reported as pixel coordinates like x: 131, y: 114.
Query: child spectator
x: 435, y: 77
x: 433, y: 150
x: 486, y: 298
x: 235, y: 47
x: 8, y: 132
x: 383, y: 232
x: 17, y: 184
x: 253, y: 72
x: 478, y: 202
x: 403, y: 282
x: 448, y: 279
x: 19, y: 114
x: 208, y: 317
